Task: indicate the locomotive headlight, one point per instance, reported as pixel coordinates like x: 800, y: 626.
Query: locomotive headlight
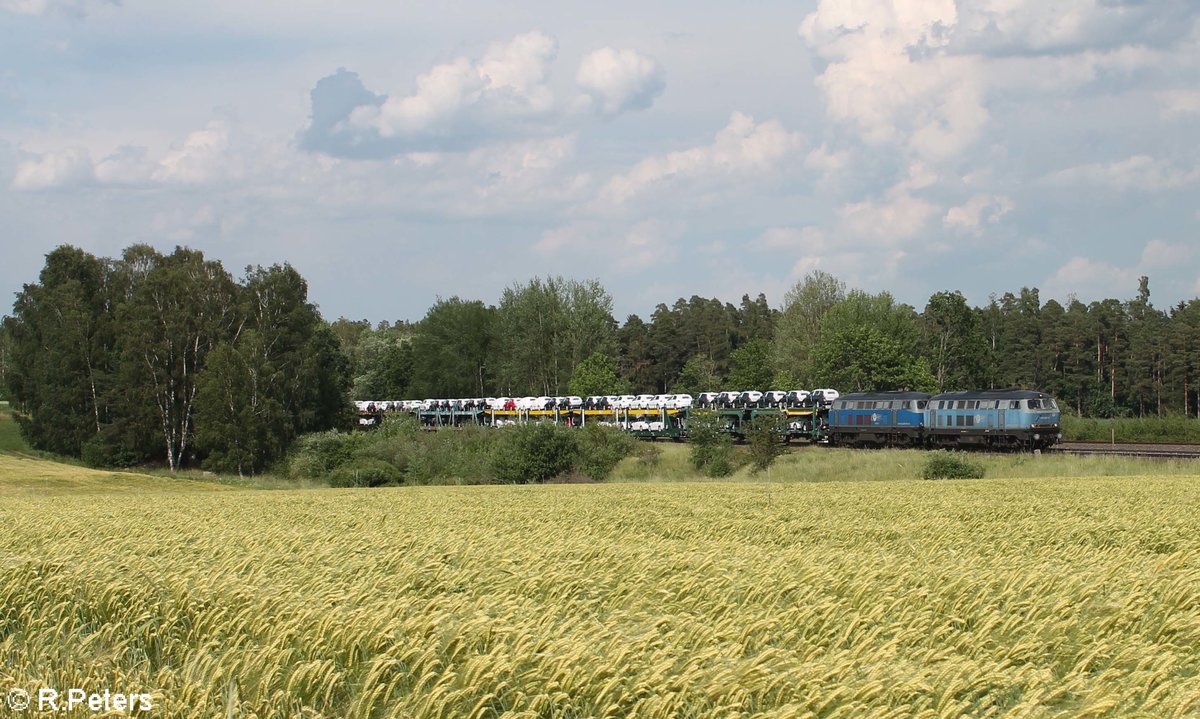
x: 1037, y: 437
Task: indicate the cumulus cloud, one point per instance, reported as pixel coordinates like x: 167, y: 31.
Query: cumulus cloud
x: 891, y: 220
x: 452, y: 106
x: 333, y: 98
x: 617, y: 81
x: 71, y: 167
x: 1140, y: 172
x: 982, y: 209
x: 201, y: 158
x: 890, y: 77
x: 919, y: 74
x: 1159, y: 254
x: 742, y: 147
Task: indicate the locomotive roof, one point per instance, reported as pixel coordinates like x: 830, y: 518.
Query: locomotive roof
x: 885, y: 395
x: 993, y: 394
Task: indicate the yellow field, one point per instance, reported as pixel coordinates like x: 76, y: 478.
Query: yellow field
x: 1013, y: 598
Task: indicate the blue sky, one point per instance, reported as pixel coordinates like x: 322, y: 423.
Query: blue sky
x: 397, y: 152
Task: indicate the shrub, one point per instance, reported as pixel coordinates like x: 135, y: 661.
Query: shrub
x: 711, y: 446
x: 950, y: 465
x: 365, y: 473
x: 534, y: 452
x: 316, y: 455
x: 601, y: 448
x: 768, y: 440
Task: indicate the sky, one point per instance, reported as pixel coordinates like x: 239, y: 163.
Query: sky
x: 395, y: 152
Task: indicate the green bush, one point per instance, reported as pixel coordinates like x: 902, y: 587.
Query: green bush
x: 365, y: 473
x: 601, y: 449
x: 950, y: 465
x: 316, y: 455
x: 711, y: 446
x: 767, y: 435
x: 534, y: 452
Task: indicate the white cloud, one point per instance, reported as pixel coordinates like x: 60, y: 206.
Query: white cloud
x: 1140, y: 172
x: 981, y: 209
x: 898, y: 217
x: 742, y: 147
x: 65, y: 168
x: 509, y: 82
x: 201, y: 158
x: 617, y: 81
x: 890, y: 77
x: 1085, y: 277
x: 1179, y: 103
x: 1159, y: 254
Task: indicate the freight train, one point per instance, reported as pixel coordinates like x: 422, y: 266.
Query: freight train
x: 1009, y: 419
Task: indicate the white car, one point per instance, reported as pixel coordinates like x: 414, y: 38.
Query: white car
x: 680, y: 401
x: 706, y: 399
x: 825, y: 396
x: 625, y: 401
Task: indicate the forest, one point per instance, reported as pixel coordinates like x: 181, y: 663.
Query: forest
x: 167, y: 358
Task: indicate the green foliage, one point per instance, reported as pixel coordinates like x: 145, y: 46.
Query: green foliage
x: 1172, y: 428
x: 698, y: 375
x: 751, y: 366
x: 950, y: 465
x: 601, y: 449
x: 767, y: 437
x: 315, y: 455
x: 535, y: 452
x: 863, y: 359
x: 109, y: 357
x: 711, y: 448
x: 365, y: 472
x: 954, y: 342
x: 545, y: 328
x: 799, y: 327
x: 597, y: 375
x: 452, y: 351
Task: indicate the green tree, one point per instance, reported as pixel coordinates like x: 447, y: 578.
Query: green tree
x: 698, y: 375
x: 953, y: 342
x: 799, y: 326
x: 767, y: 437
x: 545, y: 328
x: 62, y: 352
x: 452, y: 350
x: 863, y: 359
x: 182, y: 307
x: 240, y: 423
x: 751, y: 366
x: 597, y: 375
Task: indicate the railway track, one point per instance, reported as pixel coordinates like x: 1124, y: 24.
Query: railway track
x: 1152, y: 450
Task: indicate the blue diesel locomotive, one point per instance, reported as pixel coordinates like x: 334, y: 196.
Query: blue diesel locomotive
x: 991, y: 419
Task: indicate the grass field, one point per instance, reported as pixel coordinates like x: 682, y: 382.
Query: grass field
x: 893, y: 598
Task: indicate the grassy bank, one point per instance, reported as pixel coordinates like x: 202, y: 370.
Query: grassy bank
x: 1131, y: 429
x: 666, y: 461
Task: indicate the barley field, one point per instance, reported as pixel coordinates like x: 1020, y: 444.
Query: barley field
x: 986, y: 598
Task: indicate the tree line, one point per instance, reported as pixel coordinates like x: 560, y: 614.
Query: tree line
x: 556, y: 336
x: 155, y: 357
